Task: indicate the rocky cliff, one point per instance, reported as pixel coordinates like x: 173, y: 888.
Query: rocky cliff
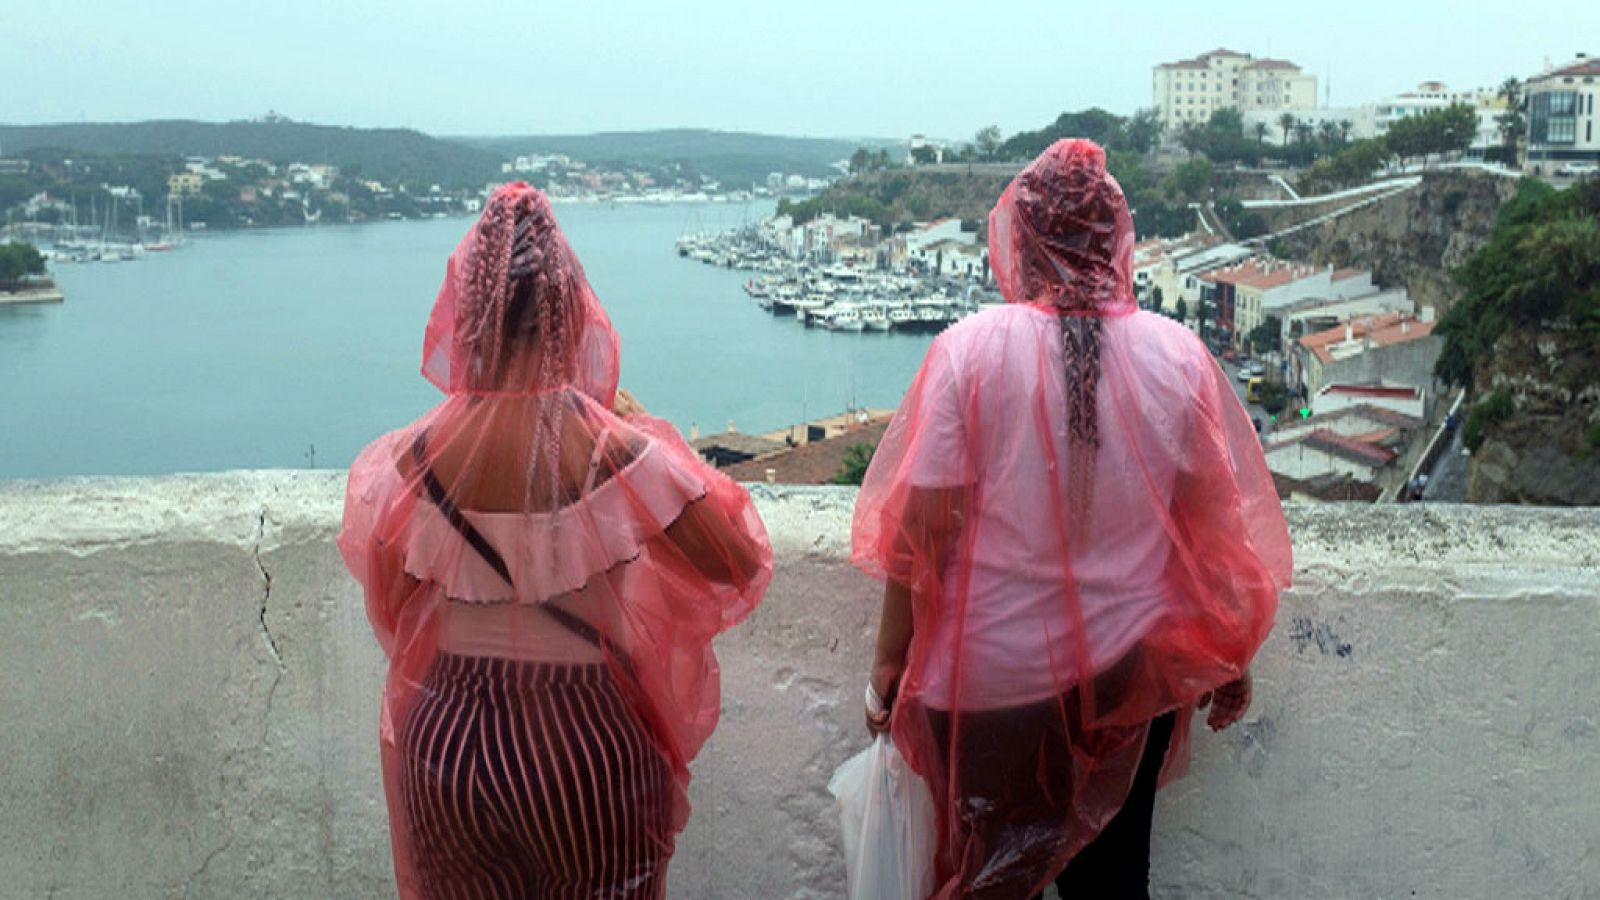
x: 1545, y: 450
x: 1412, y: 239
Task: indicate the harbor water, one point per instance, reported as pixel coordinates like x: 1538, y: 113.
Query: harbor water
x: 294, y: 348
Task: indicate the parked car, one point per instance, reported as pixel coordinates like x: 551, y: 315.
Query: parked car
x: 1577, y: 170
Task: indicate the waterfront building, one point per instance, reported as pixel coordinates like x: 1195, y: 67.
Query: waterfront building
x: 186, y: 182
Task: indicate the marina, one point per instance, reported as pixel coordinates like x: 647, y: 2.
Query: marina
x: 819, y: 290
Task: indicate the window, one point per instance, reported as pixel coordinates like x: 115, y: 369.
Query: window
x: 1553, y: 117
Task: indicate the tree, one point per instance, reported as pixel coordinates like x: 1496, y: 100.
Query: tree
x: 856, y: 460
x: 860, y: 161
x: 1286, y: 122
x: 19, y: 261
x: 1328, y: 132
x: 1453, y: 129
x: 1141, y: 132
x: 1345, y: 127
x: 1189, y: 182
x: 1511, y: 122
x: 987, y: 141
x: 924, y: 155
x: 1303, y: 131
x: 1266, y: 336
x: 1541, y: 266
x: 1261, y: 132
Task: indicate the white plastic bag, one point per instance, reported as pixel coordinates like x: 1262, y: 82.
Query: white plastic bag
x: 886, y: 814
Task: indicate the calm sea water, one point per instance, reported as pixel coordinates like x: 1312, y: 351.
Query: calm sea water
x: 247, y: 350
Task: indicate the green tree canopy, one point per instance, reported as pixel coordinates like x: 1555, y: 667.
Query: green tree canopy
x: 1542, y: 265
x: 19, y: 261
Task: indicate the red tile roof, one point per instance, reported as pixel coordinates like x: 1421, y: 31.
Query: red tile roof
x: 1335, y: 488
x: 1340, y: 446
x: 1263, y: 274
x: 1370, y: 390
x: 1343, y: 274
x: 813, y: 463
x: 1381, y: 331
x: 1272, y: 64
x: 1590, y: 66
x: 1392, y: 420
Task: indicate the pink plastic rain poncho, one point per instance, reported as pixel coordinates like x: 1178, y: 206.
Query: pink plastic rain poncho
x: 546, y: 578
x: 1080, y: 507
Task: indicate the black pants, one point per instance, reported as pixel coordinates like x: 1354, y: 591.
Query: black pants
x: 1116, y: 864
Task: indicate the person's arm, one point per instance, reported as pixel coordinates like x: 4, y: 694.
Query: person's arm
x: 722, y: 553
x: 718, y: 549
x: 889, y: 662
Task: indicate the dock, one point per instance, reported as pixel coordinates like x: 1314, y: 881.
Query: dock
x: 49, y: 294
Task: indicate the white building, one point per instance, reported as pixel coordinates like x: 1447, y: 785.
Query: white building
x: 920, y: 141
x: 1177, y: 277
x: 1409, y: 401
x: 1394, y: 349
x: 1150, y: 256
x: 923, y: 236
x: 1189, y: 91
x: 954, y: 259
x: 1322, y: 452
x: 1560, y: 109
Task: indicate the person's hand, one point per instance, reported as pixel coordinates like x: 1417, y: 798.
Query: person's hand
x: 883, y: 684
x: 626, y: 404
x: 1228, y: 703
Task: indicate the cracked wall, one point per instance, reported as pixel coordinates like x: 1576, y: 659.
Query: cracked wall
x: 192, y: 694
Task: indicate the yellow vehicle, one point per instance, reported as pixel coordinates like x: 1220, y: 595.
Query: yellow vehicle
x: 1252, y: 390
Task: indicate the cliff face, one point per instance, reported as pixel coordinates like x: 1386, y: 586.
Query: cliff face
x: 1544, y: 452
x: 1413, y: 239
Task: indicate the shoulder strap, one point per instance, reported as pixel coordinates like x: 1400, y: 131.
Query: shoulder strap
x: 452, y: 513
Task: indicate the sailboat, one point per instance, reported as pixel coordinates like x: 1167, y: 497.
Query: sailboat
x: 171, y: 237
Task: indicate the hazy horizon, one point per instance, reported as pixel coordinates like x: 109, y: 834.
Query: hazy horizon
x: 829, y: 70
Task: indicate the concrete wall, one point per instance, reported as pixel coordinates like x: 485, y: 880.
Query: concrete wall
x: 191, y: 707
x: 1410, y: 364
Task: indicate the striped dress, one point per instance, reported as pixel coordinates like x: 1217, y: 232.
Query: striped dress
x: 532, y: 780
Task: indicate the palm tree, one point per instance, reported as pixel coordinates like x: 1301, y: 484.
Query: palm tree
x: 1261, y: 132
x: 1328, y: 132
x: 1303, y: 132
x: 1345, y: 127
x: 1286, y: 122
x: 1511, y: 121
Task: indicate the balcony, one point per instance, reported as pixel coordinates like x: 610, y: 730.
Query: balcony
x: 191, y: 696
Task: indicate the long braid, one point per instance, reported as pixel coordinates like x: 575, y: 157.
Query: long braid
x: 1080, y: 358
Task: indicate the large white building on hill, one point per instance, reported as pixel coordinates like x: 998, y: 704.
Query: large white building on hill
x: 1191, y: 90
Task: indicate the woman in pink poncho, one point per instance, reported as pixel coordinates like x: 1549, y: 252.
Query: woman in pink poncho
x: 1080, y: 543
x: 546, y: 575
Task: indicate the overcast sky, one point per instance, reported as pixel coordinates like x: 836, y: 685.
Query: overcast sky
x: 799, y: 67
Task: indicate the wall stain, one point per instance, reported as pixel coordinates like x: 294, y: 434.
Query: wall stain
x: 1306, y: 633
